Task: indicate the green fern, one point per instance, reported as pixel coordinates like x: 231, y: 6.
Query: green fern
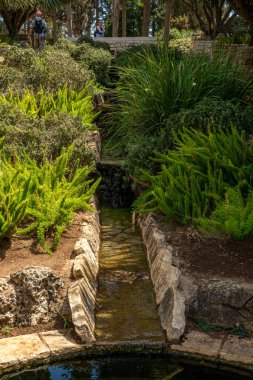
x: 195, y: 177
x: 76, y: 103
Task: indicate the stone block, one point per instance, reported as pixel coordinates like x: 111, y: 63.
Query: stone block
x: 197, y: 342
x: 60, y: 343
x: 238, y: 350
x: 82, y: 304
x: 20, y: 350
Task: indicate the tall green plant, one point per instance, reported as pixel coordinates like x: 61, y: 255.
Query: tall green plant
x: 163, y: 84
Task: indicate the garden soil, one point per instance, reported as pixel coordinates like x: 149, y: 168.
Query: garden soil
x: 206, y: 256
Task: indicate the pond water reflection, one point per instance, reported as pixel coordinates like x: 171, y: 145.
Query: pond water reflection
x: 133, y: 368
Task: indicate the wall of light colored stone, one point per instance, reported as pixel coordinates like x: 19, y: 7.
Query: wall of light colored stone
x: 165, y: 278
x: 82, y: 293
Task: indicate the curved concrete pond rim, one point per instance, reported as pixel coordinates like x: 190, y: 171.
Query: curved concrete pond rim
x: 30, y: 351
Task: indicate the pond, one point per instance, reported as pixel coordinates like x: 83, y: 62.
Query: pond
x: 133, y: 368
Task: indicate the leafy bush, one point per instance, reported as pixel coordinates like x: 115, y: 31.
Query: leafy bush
x: 43, y: 138
x: 65, y: 100
x: 195, y: 177
x: 97, y: 60
x: 20, y: 58
x: 55, y: 69
x: 12, y: 78
x: 52, y: 69
x: 163, y: 85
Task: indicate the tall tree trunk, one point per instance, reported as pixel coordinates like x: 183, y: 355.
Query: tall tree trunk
x: 15, y: 19
x: 124, y: 16
x: 54, y: 32
x: 168, y: 12
x: 146, y: 18
x: 69, y: 19
x: 115, y: 21
x: 97, y: 11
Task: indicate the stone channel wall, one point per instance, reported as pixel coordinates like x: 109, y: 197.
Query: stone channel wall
x: 224, y: 302
x: 165, y: 277
x: 82, y: 293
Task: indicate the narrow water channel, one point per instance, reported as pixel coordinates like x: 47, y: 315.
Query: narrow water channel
x: 126, y: 308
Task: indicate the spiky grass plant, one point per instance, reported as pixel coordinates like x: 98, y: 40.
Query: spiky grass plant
x: 162, y: 84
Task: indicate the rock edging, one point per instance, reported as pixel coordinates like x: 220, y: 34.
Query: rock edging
x: 165, y: 278
x: 82, y: 293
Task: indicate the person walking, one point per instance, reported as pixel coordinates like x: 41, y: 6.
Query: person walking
x: 100, y: 30
x: 38, y: 31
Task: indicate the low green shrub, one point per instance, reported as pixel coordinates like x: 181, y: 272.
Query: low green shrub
x: 12, y: 78
x: 57, y: 196
x: 43, y: 138
x: 20, y: 58
x: 15, y: 194
x: 52, y: 69
x: 97, y: 60
x: 55, y: 69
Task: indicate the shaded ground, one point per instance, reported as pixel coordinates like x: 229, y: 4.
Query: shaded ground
x: 207, y: 256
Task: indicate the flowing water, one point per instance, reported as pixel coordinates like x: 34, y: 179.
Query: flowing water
x: 126, y: 308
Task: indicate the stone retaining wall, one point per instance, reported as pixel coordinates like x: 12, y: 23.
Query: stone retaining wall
x: 224, y: 302
x: 82, y: 293
x: 121, y: 43
x: 165, y: 277
x: 242, y: 53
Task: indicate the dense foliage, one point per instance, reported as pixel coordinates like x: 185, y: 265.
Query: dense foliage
x: 46, y: 112
x: 207, y: 180
x: 162, y: 91
x: 42, y: 198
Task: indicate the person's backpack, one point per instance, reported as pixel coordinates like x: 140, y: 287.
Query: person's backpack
x: 39, y: 26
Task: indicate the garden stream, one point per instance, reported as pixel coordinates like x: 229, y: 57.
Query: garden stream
x: 126, y: 311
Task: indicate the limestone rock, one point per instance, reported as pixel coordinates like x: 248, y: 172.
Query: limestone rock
x: 172, y: 314
x: 91, y: 234
x: 82, y: 304
x: 224, y: 302
x: 37, y: 289
x: 7, y: 302
x: 86, y: 269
